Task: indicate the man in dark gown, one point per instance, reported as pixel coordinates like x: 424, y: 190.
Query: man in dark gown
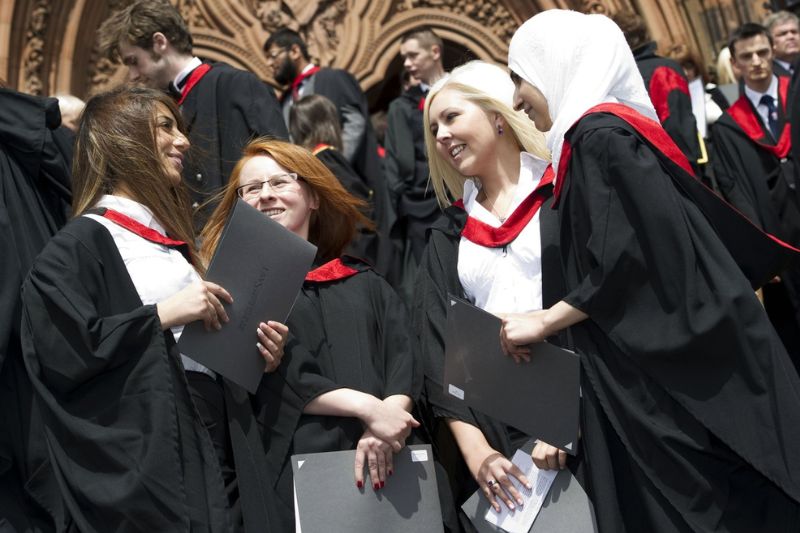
x: 34, y: 203
x: 406, y: 160
x: 755, y: 168
x: 223, y: 107
x: 291, y: 64
x: 666, y: 84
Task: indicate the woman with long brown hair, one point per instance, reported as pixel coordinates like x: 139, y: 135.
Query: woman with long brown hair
x: 135, y: 434
x: 346, y: 315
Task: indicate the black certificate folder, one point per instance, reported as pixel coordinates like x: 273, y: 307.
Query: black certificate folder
x: 540, y: 398
x: 327, y: 499
x: 262, y: 265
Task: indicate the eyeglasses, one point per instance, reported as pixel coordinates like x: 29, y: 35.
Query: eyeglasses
x: 272, y: 56
x: 278, y: 183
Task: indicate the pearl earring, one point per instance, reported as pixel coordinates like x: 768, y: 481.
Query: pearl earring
x: 499, y: 129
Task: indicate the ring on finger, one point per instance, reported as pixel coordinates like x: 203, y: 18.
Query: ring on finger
x: 491, y: 483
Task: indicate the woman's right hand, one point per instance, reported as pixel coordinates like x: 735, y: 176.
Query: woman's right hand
x: 390, y: 423
x: 197, y: 301
x: 494, y: 478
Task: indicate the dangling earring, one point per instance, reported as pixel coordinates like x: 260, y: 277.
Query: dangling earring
x: 499, y: 129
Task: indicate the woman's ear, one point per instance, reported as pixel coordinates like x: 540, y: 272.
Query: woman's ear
x: 313, y: 200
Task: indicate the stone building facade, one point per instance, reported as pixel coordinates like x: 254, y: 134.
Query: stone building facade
x: 48, y: 46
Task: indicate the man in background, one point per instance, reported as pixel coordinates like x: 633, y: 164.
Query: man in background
x: 223, y: 107
x: 406, y: 160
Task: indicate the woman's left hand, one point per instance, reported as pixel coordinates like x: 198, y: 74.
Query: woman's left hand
x: 377, y: 454
x: 547, y: 457
x: 519, y: 330
x: 271, y: 340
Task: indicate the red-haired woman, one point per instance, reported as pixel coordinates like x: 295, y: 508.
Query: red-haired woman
x: 346, y: 315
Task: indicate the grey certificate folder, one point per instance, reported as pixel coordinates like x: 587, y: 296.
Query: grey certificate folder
x: 328, y: 500
x: 540, y: 398
x: 566, y: 509
x: 262, y: 265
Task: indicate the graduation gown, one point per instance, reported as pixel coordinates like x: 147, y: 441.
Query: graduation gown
x: 437, y: 277
x: 757, y: 175
x: 34, y: 201
x: 223, y: 110
x: 407, y: 177
x: 123, y: 446
x: 669, y: 91
x: 341, y: 88
x: 367, y: 244
x: 689, y: 412
x: 355, y: 327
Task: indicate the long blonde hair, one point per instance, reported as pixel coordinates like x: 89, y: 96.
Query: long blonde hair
x: 490, y: 88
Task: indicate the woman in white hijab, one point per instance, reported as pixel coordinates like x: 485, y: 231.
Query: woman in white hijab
x: 689, y: 413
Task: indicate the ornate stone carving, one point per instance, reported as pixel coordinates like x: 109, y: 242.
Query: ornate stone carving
x: 319, y: 22
x: 33, y: 54
x: 491, y: 13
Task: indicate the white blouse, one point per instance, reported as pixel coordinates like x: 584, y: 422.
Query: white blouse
x: 507, y: 279
x: 157, y: 271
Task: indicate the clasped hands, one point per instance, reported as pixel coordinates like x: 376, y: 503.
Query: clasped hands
x: 202, y: 300
x: 388, y: 427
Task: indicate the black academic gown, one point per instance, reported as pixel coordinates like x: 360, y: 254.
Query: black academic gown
x: 689, y: 412
x: 407, y: 177
x: 368, y: 243
x: 668, y: 88
x: 757, y: 175
x: 34, y: 201
x: 123, y: 447
x: 340, y: 87
x: 224, y: 110
x: 437, y: 277
x: 355, y: 327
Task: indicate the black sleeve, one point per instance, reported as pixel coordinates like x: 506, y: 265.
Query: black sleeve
x: 281, y: 397
x: 650, y: 262
x: 730, y: 164
x: 247, y: 108
x: 62, y: 314
x: 400, y: 164
x: 430, y: 319
x: 119, y: 433
x: 682, y: 126
x: 401, y: 366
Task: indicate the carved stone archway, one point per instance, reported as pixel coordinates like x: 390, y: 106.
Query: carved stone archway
x: 47, y: 46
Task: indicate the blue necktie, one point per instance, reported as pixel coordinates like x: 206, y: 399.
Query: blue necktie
x: 772, y: 115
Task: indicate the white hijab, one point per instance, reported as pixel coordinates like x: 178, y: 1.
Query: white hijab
x: 577, y: 61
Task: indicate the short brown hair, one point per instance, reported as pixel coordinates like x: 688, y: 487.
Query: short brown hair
x: 425, y: 36
x: 137, y: 23
x: 333, y: 224
x: 314, y: 120
x: 116, y: 146
x: 634, y: 28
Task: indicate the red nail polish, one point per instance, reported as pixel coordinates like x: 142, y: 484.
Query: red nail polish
x: 359, y: 484
x: 382, y: 484
x: 376, y: 486
x: 391, y: 472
